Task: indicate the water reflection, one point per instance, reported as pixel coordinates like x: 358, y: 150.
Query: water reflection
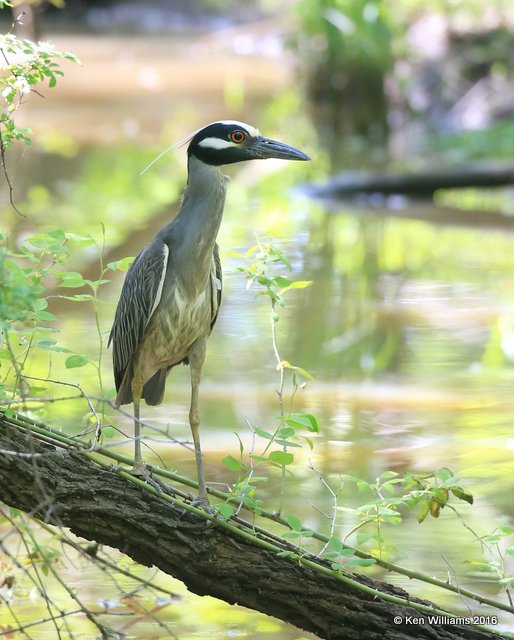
x: 406, y: 331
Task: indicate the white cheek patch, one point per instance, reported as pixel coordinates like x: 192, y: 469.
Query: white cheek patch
x: 216, y: 143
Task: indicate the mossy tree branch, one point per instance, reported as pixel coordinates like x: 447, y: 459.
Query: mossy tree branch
x: 96, y: 502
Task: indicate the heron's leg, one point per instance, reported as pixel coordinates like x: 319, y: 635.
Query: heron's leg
x: 196, y: 358
x: 139, y: 467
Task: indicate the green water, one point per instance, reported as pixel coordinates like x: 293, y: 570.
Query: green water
x: 407, y: 330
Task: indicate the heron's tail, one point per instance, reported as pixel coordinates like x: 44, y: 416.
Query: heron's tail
x: 153, y: 391
x: 124, y: 387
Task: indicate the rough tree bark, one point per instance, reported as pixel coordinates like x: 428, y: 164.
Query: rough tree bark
x: 64, y: 488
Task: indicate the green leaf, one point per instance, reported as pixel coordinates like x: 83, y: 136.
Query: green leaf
x: 505, y: 530
x: 294, y: 523
x: 39, y: 304
x: 281, y: 457
x: 296, y: 370
x: 45, y: 316
x: 52, y: 240
x: 121, y: 265
x: 292, y: 535
x: 435, y: 509
x: 241, y: 446
x: 80, y: 240
x: 309, y: 442
x: 303, y: 420
x: 263, y: 434
x: 481, y: 566
x: 387, y: 475
x: 459, y: 493
x: 362, y: 485
x: 108, y: 432
x: 363, y: 562
x: 287, y: 443
x: 75, y: 361
x: 78, y: 297
x: 441, y: 495
x: 492, y: 538
x: 282, y: 281
x: 48, y: 344
x: 443, y: 474
x: 258, y: 479
x: 257, y: 458
x: 225, y: 510
x: 423, y: 511
x: 96, y: 283
x: 363, y: 537
x: 232, y: 464
x: 71, y: 279
x: 335, y: 543
x: 510, y: 550
x: 300, y: 284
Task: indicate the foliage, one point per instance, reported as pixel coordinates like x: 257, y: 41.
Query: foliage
x: 345, y: 48
x: 259, y: 264
x: 348, y: 35
x: 25, y: 322
x: 29, y: 65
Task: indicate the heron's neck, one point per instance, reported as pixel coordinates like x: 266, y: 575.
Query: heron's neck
x: 198, y: 221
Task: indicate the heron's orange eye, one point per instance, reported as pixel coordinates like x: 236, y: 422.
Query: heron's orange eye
x: 237, y: 136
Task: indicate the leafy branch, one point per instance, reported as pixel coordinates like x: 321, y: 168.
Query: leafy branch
x: 26, y: 66
x: 260, y: 264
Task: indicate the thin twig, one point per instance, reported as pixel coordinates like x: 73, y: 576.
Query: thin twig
x: 6, y: 175
x: 334, y: 496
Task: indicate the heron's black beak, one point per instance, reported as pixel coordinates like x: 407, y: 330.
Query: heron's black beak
x: 265, y: 148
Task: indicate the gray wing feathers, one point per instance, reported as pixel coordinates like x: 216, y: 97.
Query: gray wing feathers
x: 140, y: 296
x: 216, y: 284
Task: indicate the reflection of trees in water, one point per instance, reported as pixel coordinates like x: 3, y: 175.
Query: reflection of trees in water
x: 345, y: 328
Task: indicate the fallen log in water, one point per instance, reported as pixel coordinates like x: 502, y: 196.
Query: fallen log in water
x: 422, y: 185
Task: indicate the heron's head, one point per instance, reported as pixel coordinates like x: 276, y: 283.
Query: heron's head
x: 229, y: 141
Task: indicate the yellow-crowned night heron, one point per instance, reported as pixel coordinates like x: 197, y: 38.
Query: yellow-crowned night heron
x: 172, y: 292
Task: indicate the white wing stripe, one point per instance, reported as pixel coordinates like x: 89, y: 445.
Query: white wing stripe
x: 165, y: 255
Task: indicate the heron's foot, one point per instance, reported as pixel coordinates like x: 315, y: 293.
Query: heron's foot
x: 141, y: 471
x: 202, y: 501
